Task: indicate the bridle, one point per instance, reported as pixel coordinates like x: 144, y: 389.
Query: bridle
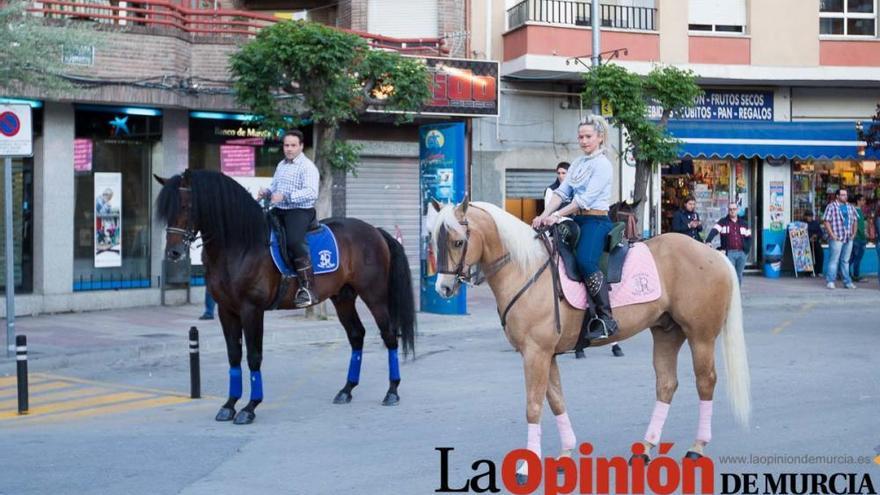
x: 188, y: 234
x: 471, y: 274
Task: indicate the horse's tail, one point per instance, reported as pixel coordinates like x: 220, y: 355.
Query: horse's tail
x: 735, y: 360
x: 401, y: 301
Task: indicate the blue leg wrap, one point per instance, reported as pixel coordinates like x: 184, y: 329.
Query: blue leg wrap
x: 235, y: 382
x: 256, y: 385
x: 354, y: 367
x: 393, y: 366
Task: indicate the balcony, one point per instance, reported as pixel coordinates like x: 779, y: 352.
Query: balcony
x: 567, y: 13
x: 545, y: 35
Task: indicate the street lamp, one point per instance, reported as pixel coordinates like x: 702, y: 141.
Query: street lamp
x: 871, y: 136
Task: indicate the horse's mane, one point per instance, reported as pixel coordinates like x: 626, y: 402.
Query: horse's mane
x: 517, y: 237
x: 223, y: 210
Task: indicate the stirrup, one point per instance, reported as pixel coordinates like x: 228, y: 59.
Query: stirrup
x: 607, y: 330
x: 304, y: 304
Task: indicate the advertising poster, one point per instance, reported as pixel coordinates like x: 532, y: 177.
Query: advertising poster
x: 82, y: 155
x: 237, y: 161
x: 108, y: 220
x: 801, y: 252
x: 442, y: 176
x: 776, y: 205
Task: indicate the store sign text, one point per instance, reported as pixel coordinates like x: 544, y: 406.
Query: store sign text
x: 723, y: 105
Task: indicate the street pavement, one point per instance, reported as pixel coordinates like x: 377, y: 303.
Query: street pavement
x: 110, y: 411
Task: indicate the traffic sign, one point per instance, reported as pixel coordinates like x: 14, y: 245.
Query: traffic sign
x: 16, y: 131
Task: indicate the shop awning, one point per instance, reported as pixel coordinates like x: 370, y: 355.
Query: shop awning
x: 713, y: 139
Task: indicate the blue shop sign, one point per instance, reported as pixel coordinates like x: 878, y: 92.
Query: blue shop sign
x: 723, y: 104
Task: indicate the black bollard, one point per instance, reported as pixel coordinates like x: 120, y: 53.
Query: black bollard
x: 195, y: 378
x: 22, y: 372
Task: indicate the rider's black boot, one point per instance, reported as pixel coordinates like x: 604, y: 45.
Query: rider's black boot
x: 305, y: 296
x: 602, y: 325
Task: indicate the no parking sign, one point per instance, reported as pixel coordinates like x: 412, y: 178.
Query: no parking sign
x: 16, y: 132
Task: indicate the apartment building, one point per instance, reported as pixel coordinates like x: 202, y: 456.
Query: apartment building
x: 785, y: 83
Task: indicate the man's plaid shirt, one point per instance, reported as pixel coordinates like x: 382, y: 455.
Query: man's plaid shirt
x: 298, y: 181
x: 833, y: 215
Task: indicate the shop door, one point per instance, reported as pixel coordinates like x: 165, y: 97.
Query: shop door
x: 524, y: 192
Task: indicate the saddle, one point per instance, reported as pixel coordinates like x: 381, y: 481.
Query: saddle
x: 323, y: 249
x: 567, y: 235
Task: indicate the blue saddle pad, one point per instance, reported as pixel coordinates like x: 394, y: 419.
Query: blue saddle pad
x: 322, y: 247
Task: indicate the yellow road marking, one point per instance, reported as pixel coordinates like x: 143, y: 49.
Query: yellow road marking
x: 42, y: 387
x: 116, y: 408
x: 804, y: 309
x: 122, y: 387
x: 76, y: 393
x: 11, y: 382
x: 77, y: 404
x: 780, y: 328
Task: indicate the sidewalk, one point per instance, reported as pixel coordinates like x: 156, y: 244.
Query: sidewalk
x: 62, y: 340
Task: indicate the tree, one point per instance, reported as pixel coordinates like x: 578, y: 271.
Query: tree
x: 297, y: 71
x: 30, y: 51
x: 628, y: 93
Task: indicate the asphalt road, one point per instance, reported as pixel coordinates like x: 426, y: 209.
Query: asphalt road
x: 815, y: 386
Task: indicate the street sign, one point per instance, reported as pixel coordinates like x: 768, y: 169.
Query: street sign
x: 607, y: 108
x: 16, y: 131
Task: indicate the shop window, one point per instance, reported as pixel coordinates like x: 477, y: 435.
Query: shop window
x: 815, y: 183
x: 22, y: 225
x: 848, y: 17
x: 112, y: 211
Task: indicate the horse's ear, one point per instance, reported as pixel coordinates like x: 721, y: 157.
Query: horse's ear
x: 160, y: 180
x: 464, y: 204
x: 436, y: 204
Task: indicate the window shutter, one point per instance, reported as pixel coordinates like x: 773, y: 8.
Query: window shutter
x: 410, y: 19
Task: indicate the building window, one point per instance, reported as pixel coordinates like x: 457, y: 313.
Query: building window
x: 848, y: 17
x: 718, y: 16
x: 112, y: 210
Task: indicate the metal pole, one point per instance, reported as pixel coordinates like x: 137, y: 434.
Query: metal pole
x: 10, y: 261
x: 597, y: 43
x: 22, y: 372
x: 195, y: 378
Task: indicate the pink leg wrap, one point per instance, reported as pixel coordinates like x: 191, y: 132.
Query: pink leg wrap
x: 704, y: 428
x: 658, y: 419
x: 566, y: 433
x: 534, y: 443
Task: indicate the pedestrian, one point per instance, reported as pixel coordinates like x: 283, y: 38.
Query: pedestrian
x: 816, y: 235
x: 877, y: 237
x: 841, y: 221
x: 208, y: 314
x: 561, y: 171
x: 293, y: 193
x: 860, y: 241
x: 735, y: 238
x: 687, y: 221
x: 587, y: 186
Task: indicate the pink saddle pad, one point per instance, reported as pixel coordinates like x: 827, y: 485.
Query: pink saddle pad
x: 640, y: 282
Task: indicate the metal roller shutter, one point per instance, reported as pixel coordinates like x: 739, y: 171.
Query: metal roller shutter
x: 528, y: 183
x: 385, y: 194
x: 410, y: 19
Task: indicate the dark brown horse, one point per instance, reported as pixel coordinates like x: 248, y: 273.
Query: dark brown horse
x: 241, y: 277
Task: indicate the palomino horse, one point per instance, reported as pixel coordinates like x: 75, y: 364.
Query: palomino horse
x: 244, y: 281
x: 700, y: 300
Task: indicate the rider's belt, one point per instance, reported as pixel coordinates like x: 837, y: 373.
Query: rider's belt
x: 590, y: 212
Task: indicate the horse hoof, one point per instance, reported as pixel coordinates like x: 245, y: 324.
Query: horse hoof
x: 225, y: 414
x: 521, y: 479
x: 645, y: 457
x: 693, y: 455
x: 244, y: 417
x: 342, y: 397
x: 391, y: 399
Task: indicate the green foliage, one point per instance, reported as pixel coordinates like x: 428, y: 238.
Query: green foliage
x: 629, y: 93
x: 30, y: 51
x: 310, y: 70
x: 343, y: 155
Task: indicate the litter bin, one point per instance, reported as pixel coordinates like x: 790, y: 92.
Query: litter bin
x: 772, y: 261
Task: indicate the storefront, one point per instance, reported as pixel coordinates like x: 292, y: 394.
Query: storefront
x: 793, y: 167
x: 114, y: 149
